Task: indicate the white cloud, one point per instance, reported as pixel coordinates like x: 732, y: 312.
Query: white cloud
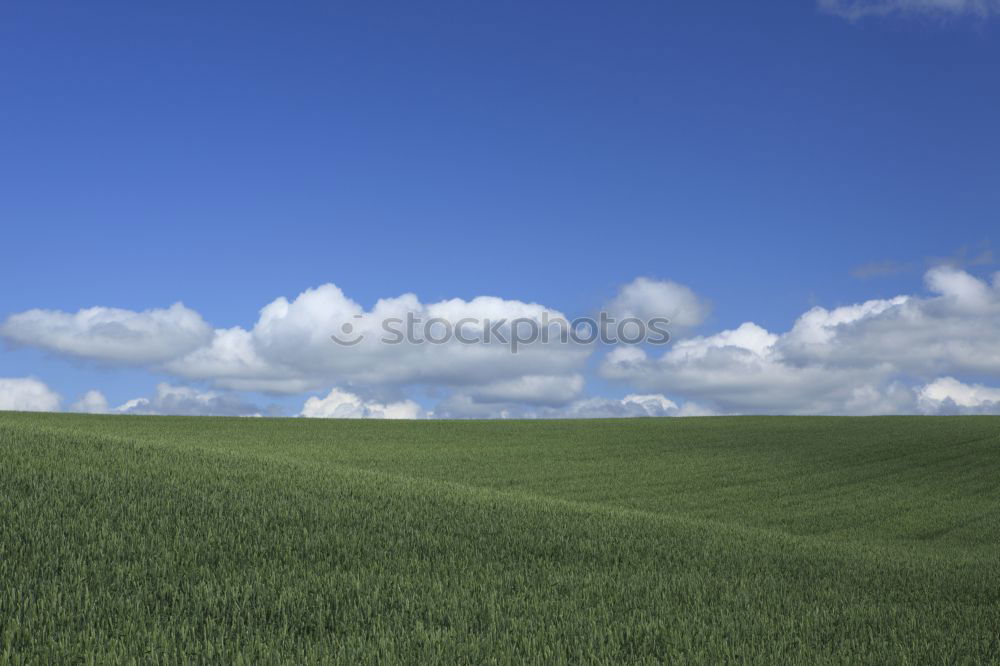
x: 27, y: 394
x: 646, y: 299
x: 964, y: 292
x: 730, y: 372
x: 632, y: 405
x: 863, y: 358
x: 635, y: 405
x: 530, y: 389
x: 111, y: 334
x: 289, y: 349
x: 92, y: 402
x: 185, y: 400
x: 748, y: 336
x: 955, y: 331
x: 947, y: 395
x: 855, y: 359
x: 231, y: 361
x: 858, y: 9
x: 817, y: 327
x: 339, y: 404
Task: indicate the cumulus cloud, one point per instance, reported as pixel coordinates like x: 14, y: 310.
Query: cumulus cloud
x: 859, y: 9
x: 530, y: 389
x: 947, y: 395
x: 92, y: 402
x: 740, y: 371
x: 289, y: 349
x: 632, y: 405
x: 464, y: 406
x: 231, y: 360
x: 953, y: 332
x: 339, y: 404
x: 855, y: 359
x: 27, y: 394
x: 185, y: 400
x: 646, y: 299
x: 878, y: 356
x: 111, y: 335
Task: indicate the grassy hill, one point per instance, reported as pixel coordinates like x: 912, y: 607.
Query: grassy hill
x: 766, y: 539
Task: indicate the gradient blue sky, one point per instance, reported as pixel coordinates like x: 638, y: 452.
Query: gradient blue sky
x: 225, y: 154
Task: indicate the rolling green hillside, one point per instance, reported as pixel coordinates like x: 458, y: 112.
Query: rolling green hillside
x: 766, y: 539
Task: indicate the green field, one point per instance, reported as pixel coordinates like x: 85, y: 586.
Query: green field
x: 762, y: 539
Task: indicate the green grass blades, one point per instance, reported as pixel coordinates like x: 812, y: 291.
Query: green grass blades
x: 763, y: 539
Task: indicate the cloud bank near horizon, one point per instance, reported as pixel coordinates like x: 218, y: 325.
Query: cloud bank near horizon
x: 919, y: 353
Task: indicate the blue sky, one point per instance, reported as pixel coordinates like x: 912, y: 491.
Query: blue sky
x: 771, y: 157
